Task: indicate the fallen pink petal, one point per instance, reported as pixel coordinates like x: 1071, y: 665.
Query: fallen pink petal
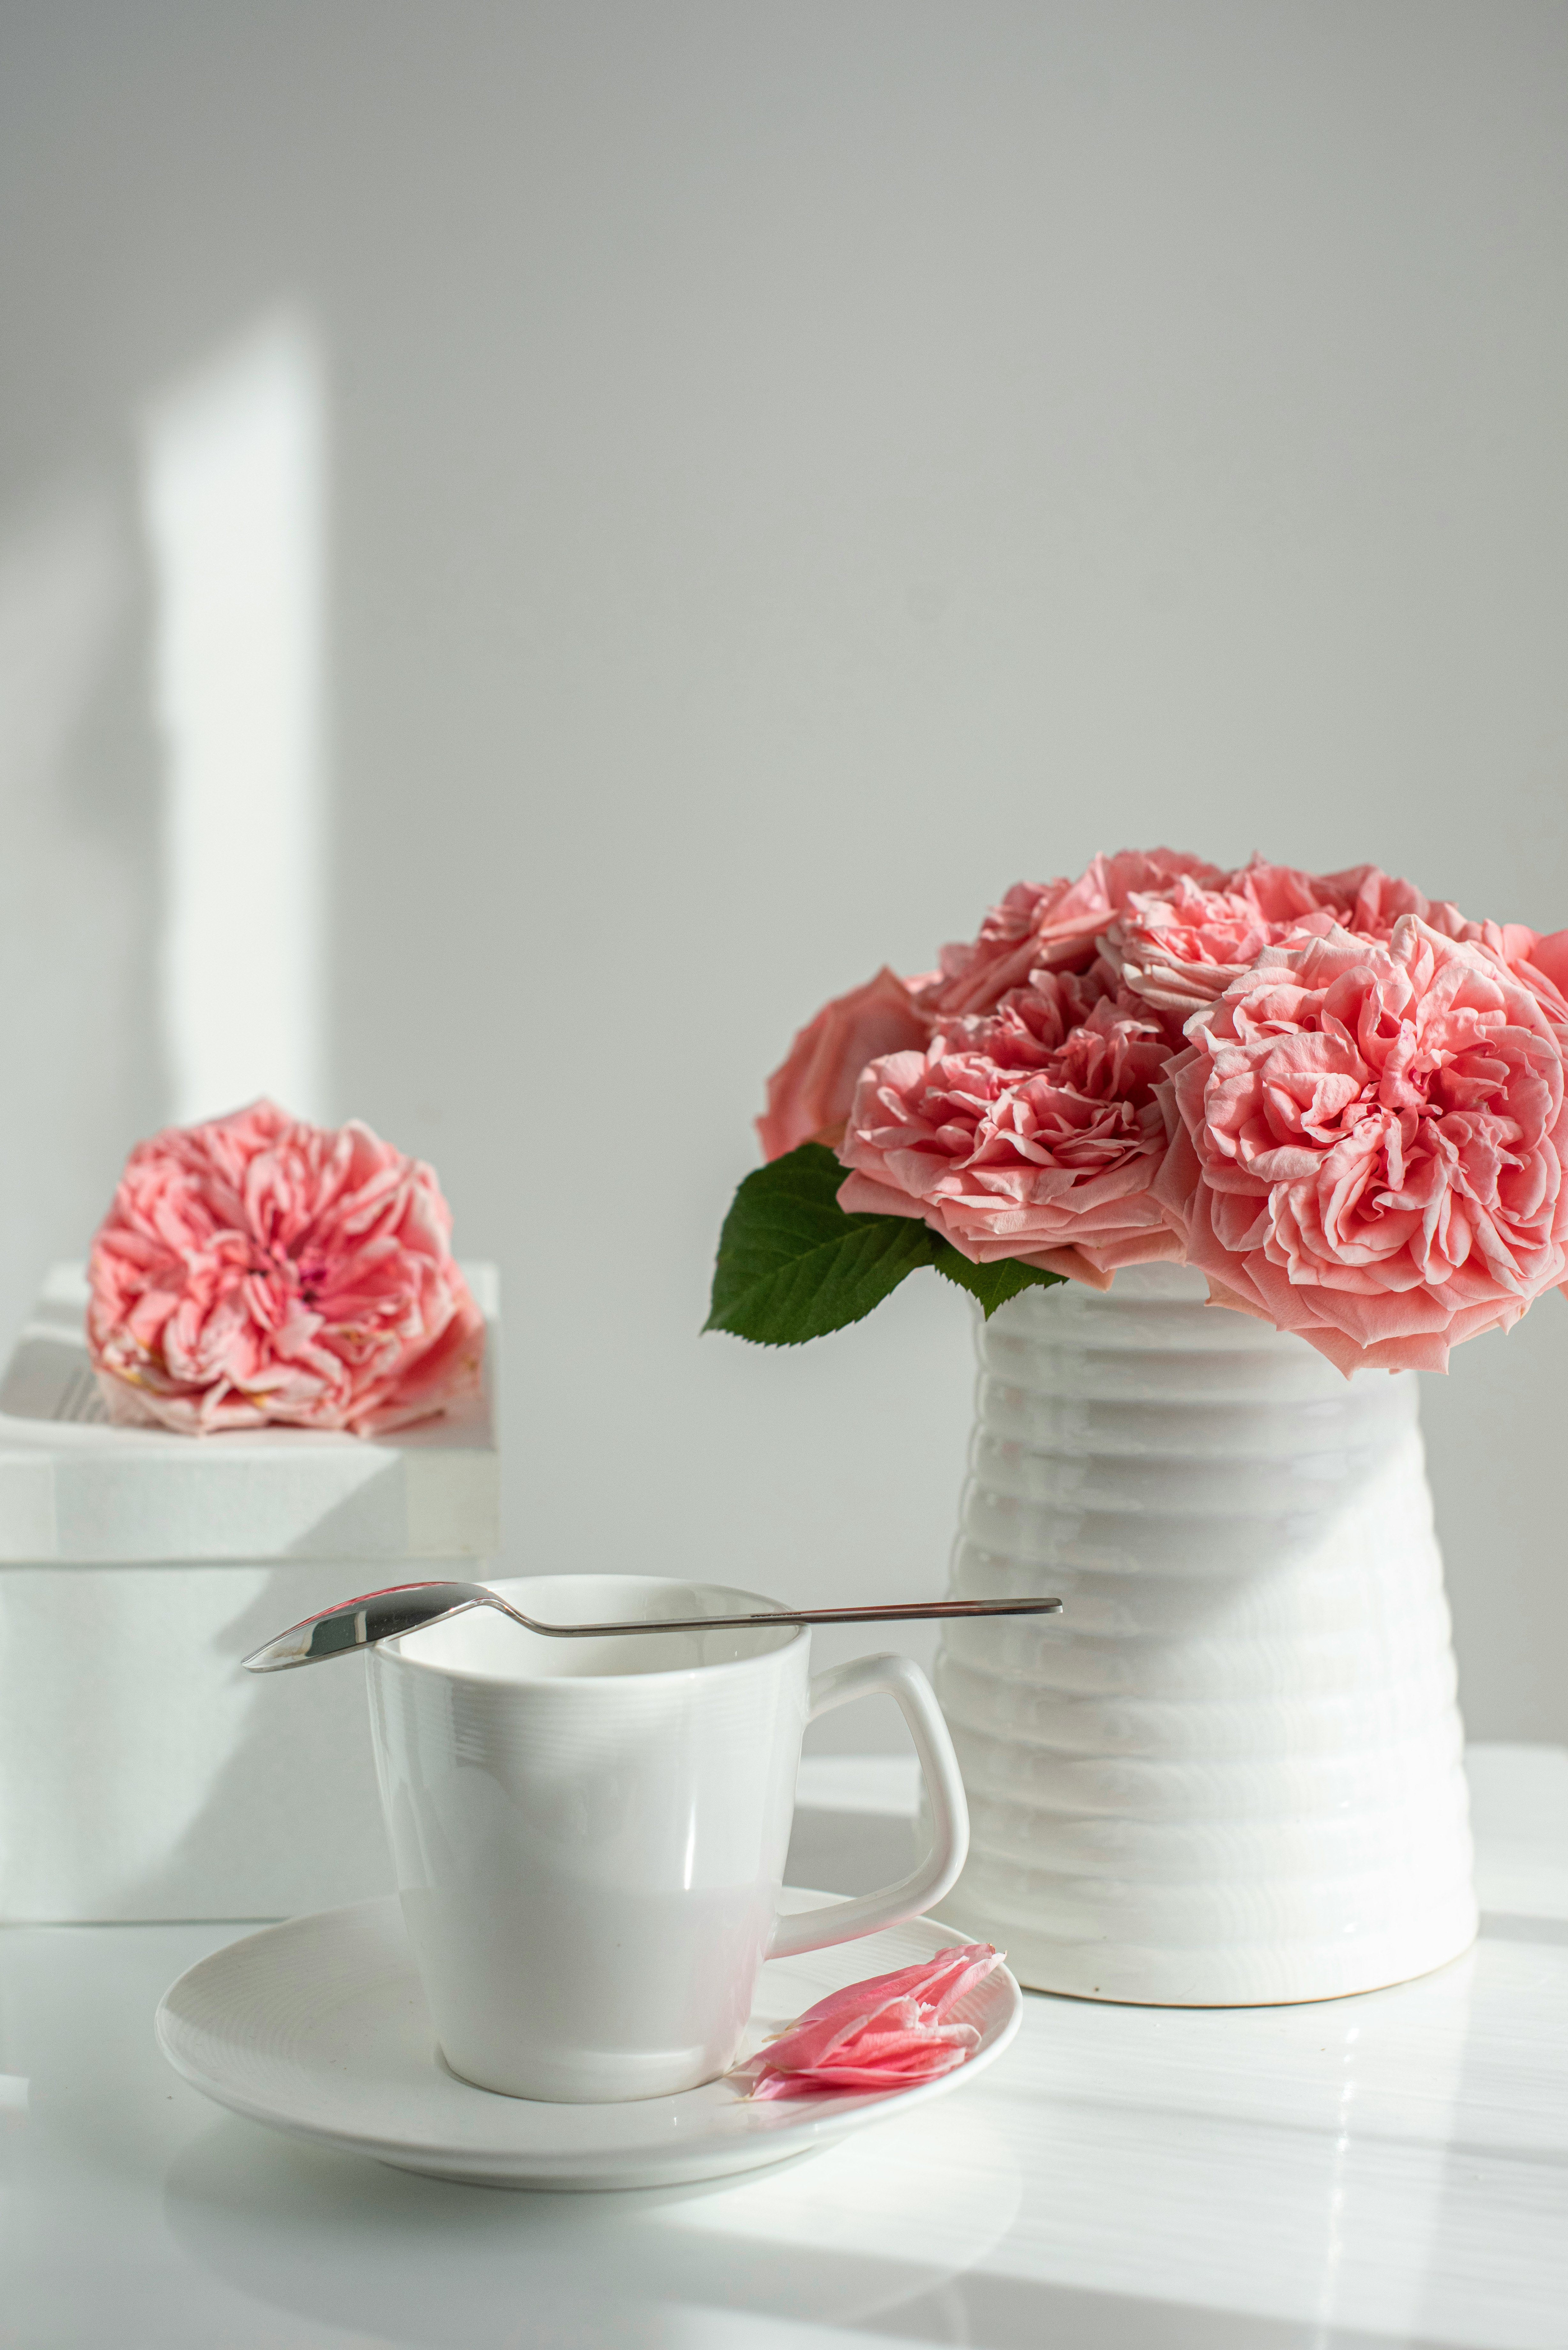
x: 888, y: 2033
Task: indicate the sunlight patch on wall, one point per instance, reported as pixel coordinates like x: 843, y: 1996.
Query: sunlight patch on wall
x: 233, y: 481
x: 80, y: 1065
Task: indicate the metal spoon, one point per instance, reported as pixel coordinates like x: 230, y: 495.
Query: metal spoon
x: 405, y: 1606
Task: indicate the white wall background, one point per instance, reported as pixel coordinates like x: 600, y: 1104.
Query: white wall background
x: 790, y: 471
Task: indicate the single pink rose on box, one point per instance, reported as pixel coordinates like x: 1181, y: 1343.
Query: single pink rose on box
x: 257, y: 1269
x: 1367, y: 1146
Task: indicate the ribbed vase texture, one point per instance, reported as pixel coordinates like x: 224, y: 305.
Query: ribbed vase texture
x: 1231, y: 1771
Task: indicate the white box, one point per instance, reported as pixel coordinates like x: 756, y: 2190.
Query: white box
x: 142, y: 1775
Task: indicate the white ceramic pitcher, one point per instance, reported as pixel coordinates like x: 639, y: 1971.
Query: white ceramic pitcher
x: 1231, y: 1771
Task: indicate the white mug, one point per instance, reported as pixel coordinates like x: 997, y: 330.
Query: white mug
x: 589, y: 1835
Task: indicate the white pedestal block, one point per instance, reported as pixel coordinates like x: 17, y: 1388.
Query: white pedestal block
x: 142, y: 1775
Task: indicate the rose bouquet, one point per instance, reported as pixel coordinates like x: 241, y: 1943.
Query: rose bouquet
x: 1339, y: 1100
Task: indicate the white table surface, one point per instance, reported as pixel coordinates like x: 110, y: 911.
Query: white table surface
x: 1387, y: 2170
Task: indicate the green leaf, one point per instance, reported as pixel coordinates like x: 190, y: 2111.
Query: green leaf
x: 792, y: 1265
x: 994, y: 1285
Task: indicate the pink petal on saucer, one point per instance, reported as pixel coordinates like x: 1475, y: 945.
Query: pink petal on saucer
x: 886, y: 2033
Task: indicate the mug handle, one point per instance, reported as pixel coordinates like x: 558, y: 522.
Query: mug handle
x: 816, y: 1930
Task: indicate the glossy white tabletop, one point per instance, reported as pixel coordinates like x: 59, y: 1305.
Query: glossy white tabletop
x: 1388, y: 2170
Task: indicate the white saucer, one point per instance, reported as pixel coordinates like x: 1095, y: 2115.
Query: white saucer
x: 319, y: 2027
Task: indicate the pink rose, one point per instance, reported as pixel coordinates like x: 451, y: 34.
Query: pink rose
x: 1549, y: 956
x: 1050, y: 925
x: 258, y: 1269
x: 1541, y: 962
x: 1181, y: 945
x: 1038, y: 925
x: 1369, y: 902
x: 1367, y: 1144
x: 809, y: 1096
x: 1033, y: 1133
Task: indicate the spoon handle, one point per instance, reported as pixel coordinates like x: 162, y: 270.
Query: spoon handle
x: 378, y: 1615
